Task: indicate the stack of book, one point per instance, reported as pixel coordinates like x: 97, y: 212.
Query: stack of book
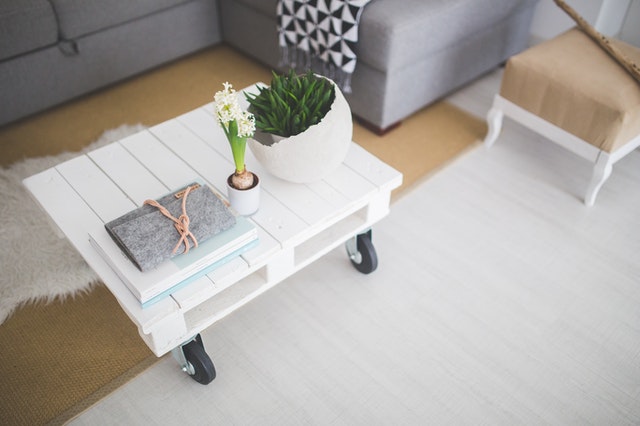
x: 151, y: 256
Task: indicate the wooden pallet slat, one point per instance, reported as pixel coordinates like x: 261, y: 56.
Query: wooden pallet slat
x: 128, y: 173
x: 172, y: 171
x: 95, y: 188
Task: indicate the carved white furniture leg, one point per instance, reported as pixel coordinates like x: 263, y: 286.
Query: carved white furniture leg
x: 601, y: 172
x: 494, y: 122
x: 603, y: 161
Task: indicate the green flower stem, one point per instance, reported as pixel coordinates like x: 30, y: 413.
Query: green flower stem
x: 238, y: 145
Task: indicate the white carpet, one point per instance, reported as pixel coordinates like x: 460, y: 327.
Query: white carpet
x: 37, y: 265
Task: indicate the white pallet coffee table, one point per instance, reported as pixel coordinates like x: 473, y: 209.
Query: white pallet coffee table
x: 297, y: 223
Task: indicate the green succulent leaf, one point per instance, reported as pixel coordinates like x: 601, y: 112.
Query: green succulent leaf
x: 292, y: 103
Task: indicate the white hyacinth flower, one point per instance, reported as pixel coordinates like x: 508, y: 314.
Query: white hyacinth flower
x: 238, y: 125
x: 228, y: 109
x: 246, y: 125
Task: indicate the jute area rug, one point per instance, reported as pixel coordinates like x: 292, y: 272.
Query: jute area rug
x: 65, y: 341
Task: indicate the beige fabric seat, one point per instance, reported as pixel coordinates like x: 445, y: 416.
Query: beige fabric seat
x: 571, y: 91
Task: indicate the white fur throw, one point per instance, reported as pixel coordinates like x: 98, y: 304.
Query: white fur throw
x: 37, y: 265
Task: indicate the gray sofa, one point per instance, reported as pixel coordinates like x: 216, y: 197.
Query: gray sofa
x: 410, y: 52
x: 52, y: 51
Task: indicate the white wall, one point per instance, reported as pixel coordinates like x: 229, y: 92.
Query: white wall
x: 631, y: 28
x: 549, y: 20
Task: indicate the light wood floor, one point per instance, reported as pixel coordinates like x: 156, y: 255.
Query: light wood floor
x: 500, y: 299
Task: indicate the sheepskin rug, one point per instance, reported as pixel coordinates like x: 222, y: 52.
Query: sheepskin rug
x: 38, y: 265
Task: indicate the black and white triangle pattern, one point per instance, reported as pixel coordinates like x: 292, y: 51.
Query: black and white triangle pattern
x: 326, y: 29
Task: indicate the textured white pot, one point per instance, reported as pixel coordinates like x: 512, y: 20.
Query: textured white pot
x: 244, y: 201
x: 312, y: 154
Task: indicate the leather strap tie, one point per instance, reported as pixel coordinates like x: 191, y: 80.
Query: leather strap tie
x: 181, y: 223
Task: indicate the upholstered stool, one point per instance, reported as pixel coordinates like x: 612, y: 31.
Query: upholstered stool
x: 572, y: 92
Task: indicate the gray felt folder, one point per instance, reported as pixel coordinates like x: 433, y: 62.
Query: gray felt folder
x: 148, y: 237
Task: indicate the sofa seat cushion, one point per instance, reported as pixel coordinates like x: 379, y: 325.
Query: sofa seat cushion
x: 266, y: 7
x: 26, y: 25
x: 392, y: 34
x: 81, y: 17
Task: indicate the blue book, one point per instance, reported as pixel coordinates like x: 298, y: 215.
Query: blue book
x: 177, y: 272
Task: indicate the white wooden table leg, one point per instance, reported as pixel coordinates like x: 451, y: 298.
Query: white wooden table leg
x: 601, y: 172
x: 494, y: 121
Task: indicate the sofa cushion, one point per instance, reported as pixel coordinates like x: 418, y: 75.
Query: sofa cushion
x: 26, y: 25
x: 267, y: 7
x: 82, y: 17
x: 393, y: 34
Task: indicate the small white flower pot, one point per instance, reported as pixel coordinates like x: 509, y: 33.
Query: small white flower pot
x: 244, y: 201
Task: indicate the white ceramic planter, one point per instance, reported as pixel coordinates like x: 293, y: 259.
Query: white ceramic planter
x: 244, y: 201
x: 311, y: 155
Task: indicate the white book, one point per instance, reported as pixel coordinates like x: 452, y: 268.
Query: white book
x: 179, y: 271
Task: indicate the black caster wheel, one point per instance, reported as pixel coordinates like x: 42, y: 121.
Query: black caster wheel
x: 197, y: 363
x: 362, y: 253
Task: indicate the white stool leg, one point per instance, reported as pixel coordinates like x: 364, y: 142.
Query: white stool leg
x: 601, y: 172
x: 494, y: 122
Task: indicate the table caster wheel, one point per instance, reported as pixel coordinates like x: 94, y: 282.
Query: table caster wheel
x: 362, y: 253
x: 195, y: 361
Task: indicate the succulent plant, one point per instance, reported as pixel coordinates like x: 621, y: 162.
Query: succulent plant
x: 292, y: 103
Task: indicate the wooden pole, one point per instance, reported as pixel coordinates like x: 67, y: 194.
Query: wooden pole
x: 602, y: 40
